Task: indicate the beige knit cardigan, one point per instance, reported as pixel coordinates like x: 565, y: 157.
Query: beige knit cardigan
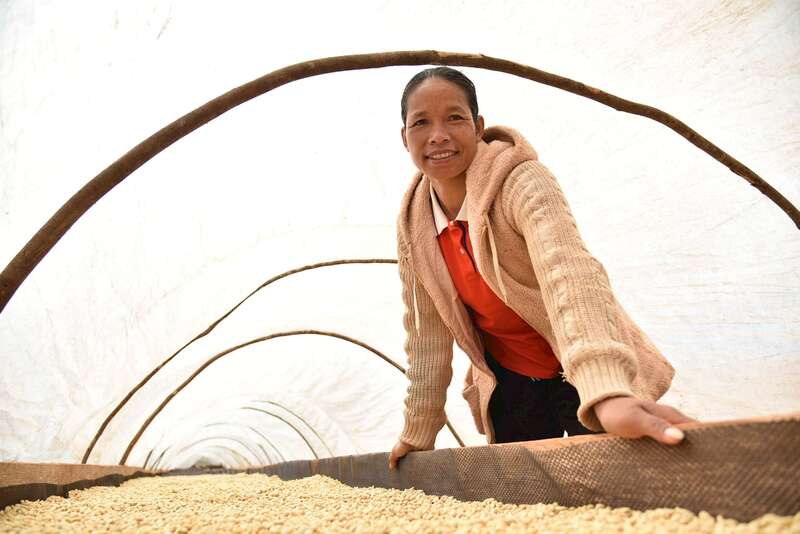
x: 529, y: 252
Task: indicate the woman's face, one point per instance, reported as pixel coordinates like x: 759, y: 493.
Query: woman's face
x: 439, y: 133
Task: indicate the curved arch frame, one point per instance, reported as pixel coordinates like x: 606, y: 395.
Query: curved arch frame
x: 158, y: 459
x: 297, y: 430
x: 228, y: 438
x: 268, y: 442
x: 248, y: 427
x: 208, y: 330
x: 40, y: 244
x: 230, y: 350
x: 298, y: 417
x: 234, y: 453
x: 267, y: 456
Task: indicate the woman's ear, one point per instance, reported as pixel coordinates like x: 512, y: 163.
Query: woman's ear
x: 479, y: 127
x: 403, y: 135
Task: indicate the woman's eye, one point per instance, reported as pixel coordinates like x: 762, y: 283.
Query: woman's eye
x: 456, y: 118
x: 418, y: 122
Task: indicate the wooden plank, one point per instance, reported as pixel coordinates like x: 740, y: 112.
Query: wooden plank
x: 741, y: 468
x: 560, y: 443
x: 15, y: 473
x: 21, y: 481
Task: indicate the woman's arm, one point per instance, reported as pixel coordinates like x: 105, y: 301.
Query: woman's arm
x: 580, y: 306
x: 429, y: 346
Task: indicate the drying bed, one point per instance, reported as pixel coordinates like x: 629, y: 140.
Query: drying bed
x: 737, y: 476
x: 263, y: 503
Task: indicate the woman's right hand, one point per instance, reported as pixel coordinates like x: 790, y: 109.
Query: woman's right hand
x: 399, y: 451
x: 629, y: 417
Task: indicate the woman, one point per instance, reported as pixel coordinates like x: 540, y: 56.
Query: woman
x: 489, y: 257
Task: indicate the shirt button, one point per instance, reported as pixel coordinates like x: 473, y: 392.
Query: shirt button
x: 462, y: 251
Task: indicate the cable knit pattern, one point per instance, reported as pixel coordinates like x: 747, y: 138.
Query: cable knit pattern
x: 574, y: 287
x: 530, y: 253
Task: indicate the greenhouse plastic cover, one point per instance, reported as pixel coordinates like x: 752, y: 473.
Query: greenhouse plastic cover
x: 314, y: 172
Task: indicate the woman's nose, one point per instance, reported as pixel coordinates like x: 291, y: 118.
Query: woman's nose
x: 439, y: 135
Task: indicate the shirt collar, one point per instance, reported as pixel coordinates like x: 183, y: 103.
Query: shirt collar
x: 439, y: 218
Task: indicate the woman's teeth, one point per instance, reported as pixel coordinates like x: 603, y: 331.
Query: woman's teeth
x: 443, y: 155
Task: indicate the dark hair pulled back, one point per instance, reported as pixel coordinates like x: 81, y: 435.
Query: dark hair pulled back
x: 447, y: 74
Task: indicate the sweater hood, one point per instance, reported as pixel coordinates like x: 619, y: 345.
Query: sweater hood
x: 500, y: 150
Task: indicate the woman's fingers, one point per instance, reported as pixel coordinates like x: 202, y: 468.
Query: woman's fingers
x: 393, y: 458
x: 663, y: 418
x: 399, y: 451
x: 673, y: 415
x: 630, y: 417
x: 660, y: 429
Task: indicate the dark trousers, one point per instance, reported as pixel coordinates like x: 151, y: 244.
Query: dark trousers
x: 523, y: 409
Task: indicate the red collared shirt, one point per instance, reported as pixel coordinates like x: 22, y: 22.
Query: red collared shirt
x: 507, y: 337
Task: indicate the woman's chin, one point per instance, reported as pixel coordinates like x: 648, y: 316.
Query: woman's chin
x: 444, y: 174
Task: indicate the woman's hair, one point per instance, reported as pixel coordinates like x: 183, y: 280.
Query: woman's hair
x: 445, y: 73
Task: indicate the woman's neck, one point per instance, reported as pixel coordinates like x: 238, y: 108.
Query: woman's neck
x: 451, y: 194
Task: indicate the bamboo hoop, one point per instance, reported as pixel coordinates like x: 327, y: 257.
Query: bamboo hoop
x: 45, y: 239
x: 110, y: 417
x: 230, y: 350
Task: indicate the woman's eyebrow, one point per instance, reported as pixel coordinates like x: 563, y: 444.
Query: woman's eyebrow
x: 423, y: 112
x: 417, y: 113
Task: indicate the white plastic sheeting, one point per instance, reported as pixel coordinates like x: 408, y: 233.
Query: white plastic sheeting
x: 314, y: 171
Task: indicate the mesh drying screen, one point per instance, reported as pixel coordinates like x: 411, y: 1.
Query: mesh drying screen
x: 739, y: 470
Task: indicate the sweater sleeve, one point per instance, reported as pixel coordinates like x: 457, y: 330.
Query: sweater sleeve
x: 575, y: 289
x: 429, y: 346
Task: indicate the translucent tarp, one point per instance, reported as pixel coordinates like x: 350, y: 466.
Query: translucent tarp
x: 314, y: 172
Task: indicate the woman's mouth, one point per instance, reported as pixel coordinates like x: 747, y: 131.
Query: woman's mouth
x: 441, y: 156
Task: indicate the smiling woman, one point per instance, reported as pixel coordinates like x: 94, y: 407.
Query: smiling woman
x: 444, y: 126
x: 526, y: 306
